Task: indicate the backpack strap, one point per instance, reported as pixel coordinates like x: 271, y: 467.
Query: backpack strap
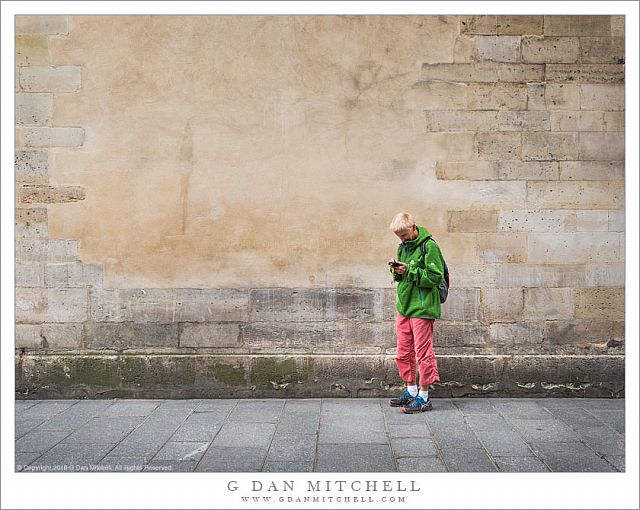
x: 423, y: 245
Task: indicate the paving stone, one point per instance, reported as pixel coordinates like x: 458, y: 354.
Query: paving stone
x: 616, y: 460
x: 421, y: 465
x: 544, y: 430
x: 614, y: 418
x: 524, y: 464
x: 22, y: 405
x: 423, y: 447
x: 583, y: 461
x: 522, y: 410
x: 292, y: 448
x: 258, y: 411
x: 142, y: 447
x: 359, y: 428
x: 302, y: 406
x: 503, y: 443
x: 414, y: 430
x: 258, y: 435
x: 602, y: 440
x: 350, y: 458
x: 46, y: 409
x: 74, y: 417
x: 70, y: 457
x: 474, y: 406
x: 131, y: 408
x: 394, y: 416
x: 215, y: 405
x: 576, y: 416
x: 487, y: 422
x: 181, y: 451
x: 23, y: 426
x: 104, y: 430
x: 199, y: 427
x: 294, y: 423
x: 170, y: 466
x: 39, y: 440
x: 232, y: 460
x: 287, y: 467
x: 456, y: 439
x: 23, y: 459
x: 467, y: 460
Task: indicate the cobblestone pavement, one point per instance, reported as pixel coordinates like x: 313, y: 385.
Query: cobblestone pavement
x: 320, y: 435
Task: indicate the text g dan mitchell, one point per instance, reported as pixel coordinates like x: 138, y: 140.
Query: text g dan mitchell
x: 326, y: 486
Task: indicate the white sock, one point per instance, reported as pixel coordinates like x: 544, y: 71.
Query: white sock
x: 413, y: 390
x: 424, y: 394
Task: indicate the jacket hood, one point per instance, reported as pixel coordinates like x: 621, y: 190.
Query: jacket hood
x: 423, y: 233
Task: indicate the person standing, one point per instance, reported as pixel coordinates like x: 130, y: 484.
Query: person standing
x: 418, y: 270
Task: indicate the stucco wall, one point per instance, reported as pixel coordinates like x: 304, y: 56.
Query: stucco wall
x: 203, y: 202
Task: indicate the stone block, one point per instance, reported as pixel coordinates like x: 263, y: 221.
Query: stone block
x: 32, y: 167
x: 602, y: 146
x: 472, y: 221
x: 287, y: 304
x: 484, y: 72
x: 434, y: 95
x: 613, y: 121
x: 33, y: 108
x: 467, y: 170
x: 50, y: 79
x: 31, y: 305
x: 603, y: 97
x: 583, y: 26
x: 462, y: 305
x: 602, y: 50
x: 301, y: 337
x: 29, y: 275
x: 31, y: 223
x: 31, y: 50
x: 53, y: 137
x: 210, y: 335
x: 616, y: 221
x: 549, y: 146
x: 498, y: 146
x: 520, y: 25
x: 592, y: 170
x: 535, y: 96
x: 466, y: 334
x: 369, y: 337
x: 574, y: 248
x: 548, y: 304
x: 600, y: 303
x: 42, y: 250
x: 566, y: 336
x: 527, y: 275
x: 517, y: 337
x: 486, y: 121
x: 617, y: 26
x: 481, y: 25
x: 502, y: 305
x: 577, y: 121
x: 528, y: 171
x: 66, y: 305
x: 592, y: 221
x: 28, y: 336
x: 502, y: 248
x: 609, y: 275
x: 126, y: 335
x: 46, y: 25
x: 547, y: 50
x: 482, y: 195
x: 62, y: 336
x: 487, y: 48
x: 496, y: 96
x: 447, y: 147
x: 537, y: 221
x: 562, y: 96
x: 473, y: 275
x: 584, y: 73
x: 75, y: 274
x: 39, y: 194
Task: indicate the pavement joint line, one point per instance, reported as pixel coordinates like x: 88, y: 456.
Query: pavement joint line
x: 224, y: 421
x: 394, y: 459
x: 603, y: 422
x: 436, y: 444
x: 316, y: 453
x: 517, y: 432
x: 273, y: 436
x: 130, y: 432
x: 482, y: 445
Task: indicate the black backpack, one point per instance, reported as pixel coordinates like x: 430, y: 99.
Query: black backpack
x: 443, y: 288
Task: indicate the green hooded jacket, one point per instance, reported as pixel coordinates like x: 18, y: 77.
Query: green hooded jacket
x: 418, y: 294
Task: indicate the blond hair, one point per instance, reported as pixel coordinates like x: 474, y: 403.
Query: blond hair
x: 402, y: 221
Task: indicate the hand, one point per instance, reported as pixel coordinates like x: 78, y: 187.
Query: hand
x: 398, y: 269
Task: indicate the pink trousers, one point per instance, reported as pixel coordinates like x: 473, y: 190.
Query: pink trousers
x: 415, y: 340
